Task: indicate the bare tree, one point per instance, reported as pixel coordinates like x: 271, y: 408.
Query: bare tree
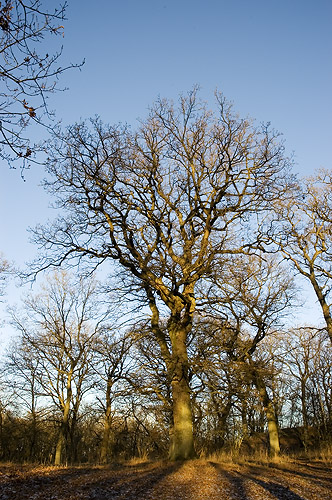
x: 22, y: 370
x: 60, y: 329
x: 112, y: 369
x: 163, y: 203
x: 255, y: 297
x: 28, y: 73
x: 303, y: 232
x: 304, y: 354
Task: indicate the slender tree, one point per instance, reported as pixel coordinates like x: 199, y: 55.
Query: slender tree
x: 22, y: 379
x: 112, y: 369
x: 62, y: 323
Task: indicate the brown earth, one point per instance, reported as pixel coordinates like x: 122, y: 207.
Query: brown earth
x: 194, y: 480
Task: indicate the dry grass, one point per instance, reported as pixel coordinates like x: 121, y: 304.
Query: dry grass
x: 323, y: 454
x: 235, y: 457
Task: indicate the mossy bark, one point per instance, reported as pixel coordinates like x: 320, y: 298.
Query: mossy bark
x: 182, y: 437
x: 172, y: 341
x: 182, y: 440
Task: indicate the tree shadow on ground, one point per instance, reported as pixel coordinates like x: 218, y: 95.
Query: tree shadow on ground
x: 118, y: 481
x: 236, y: 479
x: 129, y: 481
x: 278, y: 490
x: 317, y: 477
x: 325, y: 468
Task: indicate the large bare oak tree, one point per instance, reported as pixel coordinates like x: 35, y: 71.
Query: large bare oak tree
x: 163, y: 203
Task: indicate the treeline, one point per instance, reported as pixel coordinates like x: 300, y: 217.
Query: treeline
x: 77, y: 389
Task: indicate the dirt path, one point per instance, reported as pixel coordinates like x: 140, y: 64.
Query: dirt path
x: 194, y: 480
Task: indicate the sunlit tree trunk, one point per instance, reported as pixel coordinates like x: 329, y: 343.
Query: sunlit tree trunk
x: 176, y: 360
x: 272, y: 421
x: 182, y: 438
x: 182, y: 443
x: 272, y: 424
x: 62, y: 437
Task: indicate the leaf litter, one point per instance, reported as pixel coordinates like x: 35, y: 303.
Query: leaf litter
x: 192, y: 480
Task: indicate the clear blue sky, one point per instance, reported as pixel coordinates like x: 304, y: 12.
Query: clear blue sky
x: 272, y: 58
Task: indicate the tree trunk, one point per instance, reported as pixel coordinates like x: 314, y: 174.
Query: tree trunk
x: 272, y: 425
x: 64, y: 427
x: 272, y: 422
x: 182, y: 439
x: 59, y: 447
x: 103, y: 457
x: 178, y: 327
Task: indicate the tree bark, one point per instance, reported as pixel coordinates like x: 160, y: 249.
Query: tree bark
x: 103, y: 457
x: 60, y: 444
x: 62, y: 438
x: 272, y: 421
x: 272, y: 425
x: 182, y: 438
x: 64, y: 427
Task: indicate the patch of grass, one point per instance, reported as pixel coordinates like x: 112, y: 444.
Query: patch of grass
x: 237, y: 457
x: 322, y: 454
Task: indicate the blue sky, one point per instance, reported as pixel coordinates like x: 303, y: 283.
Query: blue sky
x: 272, y: 58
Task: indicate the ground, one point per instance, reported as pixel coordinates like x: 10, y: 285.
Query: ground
x: 193, y: 480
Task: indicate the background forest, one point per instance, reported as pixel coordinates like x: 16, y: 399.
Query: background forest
x: 75, y: 389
